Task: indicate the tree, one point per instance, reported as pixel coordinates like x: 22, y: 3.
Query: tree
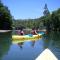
x: 56, y: 19
x: 46, y: 11
x: 46, y: 18
x: 5, y: 17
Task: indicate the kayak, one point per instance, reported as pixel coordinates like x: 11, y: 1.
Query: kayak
x: 47, y: 54
x: 22, y: 38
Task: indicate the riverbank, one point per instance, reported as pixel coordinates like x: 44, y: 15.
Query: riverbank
x: 3, y: 31
x: 26, y: 30
x: 43, y: 30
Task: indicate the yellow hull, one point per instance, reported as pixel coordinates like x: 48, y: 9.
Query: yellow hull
x: 19, y: 38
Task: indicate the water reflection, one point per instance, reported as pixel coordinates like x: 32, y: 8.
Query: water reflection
x: 32, y: 43
x: 5, y: 42
x: 20, y: 44
x: 28, y: 50
x: 52, y: 41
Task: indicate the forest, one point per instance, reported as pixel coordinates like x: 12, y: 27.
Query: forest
x: 49, y: 20
x: 5, y: 17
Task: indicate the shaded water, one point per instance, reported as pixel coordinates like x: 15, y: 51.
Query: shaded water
x: 28, y: 50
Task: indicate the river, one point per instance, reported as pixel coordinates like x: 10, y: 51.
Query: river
x: 28, y: 50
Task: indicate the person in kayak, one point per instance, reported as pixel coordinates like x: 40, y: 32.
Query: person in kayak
x: 34, y: 32
x: 21, y: 32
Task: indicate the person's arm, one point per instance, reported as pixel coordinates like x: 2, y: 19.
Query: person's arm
x: 36, y: 32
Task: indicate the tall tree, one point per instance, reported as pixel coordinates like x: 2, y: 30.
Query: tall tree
x: 5, y: 17
x: 47, y: 18
x: 46, y: 11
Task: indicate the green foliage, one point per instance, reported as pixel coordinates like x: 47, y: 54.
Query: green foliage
x: 46, y: 11
x: 5, y: 18
x: 52, y: 21
x: 56, y: 19
x: 48, y: 21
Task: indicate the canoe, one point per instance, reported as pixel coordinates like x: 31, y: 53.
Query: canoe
x: 46, y: 55
x: 23, y: 38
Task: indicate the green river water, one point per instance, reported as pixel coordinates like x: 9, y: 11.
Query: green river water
x: 28, y: 50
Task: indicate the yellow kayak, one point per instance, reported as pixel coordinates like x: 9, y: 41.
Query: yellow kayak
x: 22, y: 38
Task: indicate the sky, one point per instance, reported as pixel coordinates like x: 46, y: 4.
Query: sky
x: 30, y: 9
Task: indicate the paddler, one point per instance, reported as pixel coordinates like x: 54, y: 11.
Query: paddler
x: 21, y: 32
x: 34, y: 31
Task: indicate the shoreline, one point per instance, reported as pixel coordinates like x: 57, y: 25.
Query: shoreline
x: 3, y: 31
